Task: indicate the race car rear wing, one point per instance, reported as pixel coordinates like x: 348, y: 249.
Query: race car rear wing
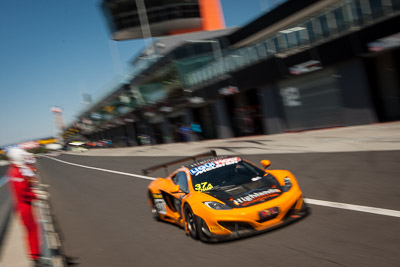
x: 165, y: 165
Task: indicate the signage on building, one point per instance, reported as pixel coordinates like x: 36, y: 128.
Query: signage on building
x: 47, y: 141
x: 96, y: 116
x: 56, y: 109
x: 79, y: 125
x: 149, y: 114
x: 291, y: 96
x: 196, y: 100
x: 229, y: 90
x: 305, y: 67
x: 386, y: 43
x: 166, y: 109
x: 109, y: 109
x: 124, y: 99
x: 108, y: 117
x: 29, y: 145
x: 87, y: 121
x: 124, y: 109
x: 119, y: 122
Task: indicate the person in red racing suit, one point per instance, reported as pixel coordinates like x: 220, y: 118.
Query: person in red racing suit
x: 19, y: 176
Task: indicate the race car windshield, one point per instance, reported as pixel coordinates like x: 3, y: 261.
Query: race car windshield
x: 214, y: 177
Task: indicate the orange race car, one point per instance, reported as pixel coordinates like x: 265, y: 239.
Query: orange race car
x: 222, y: 198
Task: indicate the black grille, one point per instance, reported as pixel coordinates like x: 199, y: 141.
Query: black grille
x: 268, y: 218
x: 236, y: 226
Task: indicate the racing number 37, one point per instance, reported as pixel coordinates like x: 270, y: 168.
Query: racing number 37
x: 204, y: 186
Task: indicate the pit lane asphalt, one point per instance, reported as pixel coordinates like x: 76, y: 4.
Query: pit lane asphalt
x: 105, y: 220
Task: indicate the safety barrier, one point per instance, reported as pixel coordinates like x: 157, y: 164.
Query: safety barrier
x: 5, y: 208
x: 51, y: 245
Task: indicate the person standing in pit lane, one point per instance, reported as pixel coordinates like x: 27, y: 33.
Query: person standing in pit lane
x: 20, y: 176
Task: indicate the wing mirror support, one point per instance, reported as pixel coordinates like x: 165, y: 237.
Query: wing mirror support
x: 175, y: 189
x: 266, y: 163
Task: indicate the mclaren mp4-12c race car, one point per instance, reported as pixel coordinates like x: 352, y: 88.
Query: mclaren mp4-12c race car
x: 223, y: 198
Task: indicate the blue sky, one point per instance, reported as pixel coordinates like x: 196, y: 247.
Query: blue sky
x: 52, y: 51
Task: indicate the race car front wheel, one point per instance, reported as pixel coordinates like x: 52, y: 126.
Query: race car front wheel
x: 190, y: 222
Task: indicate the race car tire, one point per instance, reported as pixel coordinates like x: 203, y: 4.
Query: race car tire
x: 154, y: 212
x: 191, y: 222
x: 201, y: 224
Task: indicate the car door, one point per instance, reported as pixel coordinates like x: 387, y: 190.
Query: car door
x: 181, y: 179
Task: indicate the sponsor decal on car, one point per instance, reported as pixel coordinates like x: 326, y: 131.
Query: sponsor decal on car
x: 201, y: 187
x: 155, y: 195
x: 256, y: 197
x: 269, y: 213
x: 213, y: 165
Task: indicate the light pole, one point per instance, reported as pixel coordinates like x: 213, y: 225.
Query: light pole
x: 144, y: 24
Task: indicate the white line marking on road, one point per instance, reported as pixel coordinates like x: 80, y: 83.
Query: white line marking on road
x: 338, y: 205
x: 104, y: 170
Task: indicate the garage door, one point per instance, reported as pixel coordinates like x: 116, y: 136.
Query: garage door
x: 312, y: 101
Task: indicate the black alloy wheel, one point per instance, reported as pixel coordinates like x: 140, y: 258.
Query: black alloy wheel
x: 190, y: 222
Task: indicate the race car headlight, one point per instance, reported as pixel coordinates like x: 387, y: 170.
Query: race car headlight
x: 288, y: 184
x: 216, y: 205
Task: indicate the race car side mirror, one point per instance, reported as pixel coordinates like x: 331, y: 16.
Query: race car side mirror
x: 175, y: 189
x: 266, y: 163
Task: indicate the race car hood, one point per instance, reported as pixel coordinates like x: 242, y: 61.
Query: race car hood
x: 246, y: 195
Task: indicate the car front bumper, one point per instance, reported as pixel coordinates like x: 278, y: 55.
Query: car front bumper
x: 236, y: 223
